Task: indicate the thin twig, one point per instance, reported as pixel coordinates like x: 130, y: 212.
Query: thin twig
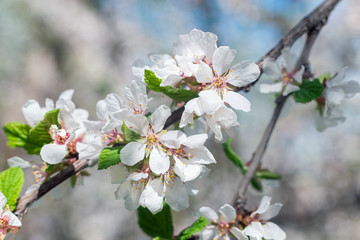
x: 312, y: 33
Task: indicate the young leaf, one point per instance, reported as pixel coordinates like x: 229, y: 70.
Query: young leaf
x: 309, y: 90
x: 177, y: 94
x: 129, y: 135
x: 325, y: 76
x: 197, y: 226
x: 233, y: 156
x: 256, y: 183
x: 158, y: 225
x: 17, y: 134
x: 109, y: 157
x: 40, y: 133
x: 11, y: 183
x: 265, y: 174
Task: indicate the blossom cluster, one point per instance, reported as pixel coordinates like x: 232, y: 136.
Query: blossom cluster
x: 8, y: 221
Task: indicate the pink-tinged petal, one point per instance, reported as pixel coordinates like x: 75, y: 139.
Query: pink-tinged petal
x: 243, y: 73
x: 263, y: 207
x: 132, y: 153
x: 222, y: 59
x: 208, y: 233
x: 271, y: 68
x: 159, y: 162
x: 228, y: 213
x: 3, y: 201
x: 254, y: 229
x: 271, y: 212
x: 209, y: 214
x: 32, y: 112
x: 273, y: 231
x: 238, y: 233
x: 237, y: 101
x: 173, y: 139
x: 53, y: 153
x: 204, y: 73
x: 177, y: 196
x: 152, y: 196
x: 271, y: 88
x: 197, y: 140
x: 159, y: 117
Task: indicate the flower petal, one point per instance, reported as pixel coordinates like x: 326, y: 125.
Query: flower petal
x: 228, y: 213
x: 132, y: 153
x: 209, y: 214
x: 271, y: 212
x: 159, y: 162
x: 197, y: 140
x: 204, y: 73
x: 192, y: 107
x: 53, y: 153
x: 289, y: 89
x: 263, y: 207
x: 177, y: 196
x: 173, y: 139
x: 201, y: 155
x: 243, y: 73
x: 159, y: 117
x: 237, y: 101
x: 208, y: 233
x: 273, y: 231
x: 254, y: 229
x: 3, y: 201
x: 271, y: 68
x: 32, y: 112
x: 238, y: 233
x: 210, y: 101
x: 187, y: 172
x: 18, y: 162
x: 222, y: 59
x: 271, y: 88
x: 152, y: 196
x: 118, y: 173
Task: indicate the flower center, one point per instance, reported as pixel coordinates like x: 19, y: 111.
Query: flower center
x: 169, y: 178
x: 152, y: 139
x: 113, y: 137
x: 137, y: 109
x: 288, y: 77
x: 62, y: 136
x: 4, y: 222
x: 224, y: 227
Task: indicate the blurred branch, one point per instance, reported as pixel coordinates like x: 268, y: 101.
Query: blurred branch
x: 312, y: 33
x: 312, y: 22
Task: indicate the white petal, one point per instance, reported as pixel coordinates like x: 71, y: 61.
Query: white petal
x: 243, y: 73
x: 152, y: 196
x: 271, y: 88
x: 270, y: 67
x: 14, y: 221
x: 101, y: 110
x: 177, y: 196
x: 298, y: 76
x: 159, y: 162
x: 350, y: 87
x: 289, y: 59
x: 273, y: 231
x: 290, y: 88
x: 255, y: 230
x: 173, y: 139
x: 192, y: 107
x: 137, y: 176
x: 32, y: 112
x: 204, y: 73
x: 237, y: 101
x: 18, y: 162
x: 201, y: 155
x: 136, y: 95
x: 210, y: 101
x: 334, y: 95
x: 132, y: 153
x: 187, y: 172
x: 238, y: 233
x: 228, y: 213
x: 222, y: 59
x: 197, y: 140
x: 3, y: 201
x: 118, y: 173
x: 159, y: 117
x: 67, y: 94
x: 208, y: 233
x: 263, y: 207
x: 171, y: 80
x: 209, y: 214
x: 53, y: 153
x: 272, y: 211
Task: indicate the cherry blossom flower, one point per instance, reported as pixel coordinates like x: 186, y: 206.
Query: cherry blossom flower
x: 222, y: 227
x: 287, y: 76
x: 259, y: 227
x: 8, y: 221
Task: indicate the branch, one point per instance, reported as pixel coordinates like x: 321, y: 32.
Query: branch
x: 312, y: 32
x: 314, y: 21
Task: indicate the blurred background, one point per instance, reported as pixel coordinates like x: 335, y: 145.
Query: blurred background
x: 90, y: 45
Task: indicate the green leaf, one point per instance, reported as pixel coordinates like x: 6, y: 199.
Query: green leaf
x: 158, y: 225
x: 17, y: 134
x: 233, y: 156
x: 129, y: 135
x: 197, y: 226
x: 160, y: 238
x: 256, y: 183
x: 309, y: 90
x: 109, y: 157
x: 325, y: 76
x: 11, y: 183
x: 177, y: 94
x: 40, y: 133
x: 265, y: 174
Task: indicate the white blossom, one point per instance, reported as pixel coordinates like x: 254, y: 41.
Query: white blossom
x: 8, y: 221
